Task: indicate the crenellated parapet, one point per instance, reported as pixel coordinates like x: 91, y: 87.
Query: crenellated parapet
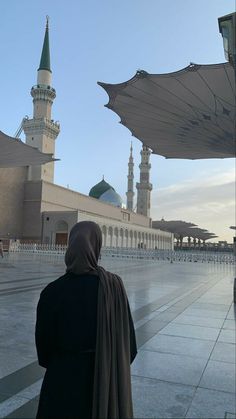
x: 42, y: 126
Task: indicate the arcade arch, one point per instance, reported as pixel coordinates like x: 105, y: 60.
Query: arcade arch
x: 61, y: 232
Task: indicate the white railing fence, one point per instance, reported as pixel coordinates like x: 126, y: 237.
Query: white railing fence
x: 165, y: 255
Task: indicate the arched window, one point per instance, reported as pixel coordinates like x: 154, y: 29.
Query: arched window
x: 61, y: 226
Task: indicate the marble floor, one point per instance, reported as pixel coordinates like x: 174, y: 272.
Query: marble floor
x: 185, y: 327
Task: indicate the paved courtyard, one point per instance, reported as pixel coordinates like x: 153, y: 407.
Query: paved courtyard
x: 185, y: 327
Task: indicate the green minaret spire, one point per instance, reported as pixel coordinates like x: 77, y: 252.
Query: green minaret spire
x: 45, y: 57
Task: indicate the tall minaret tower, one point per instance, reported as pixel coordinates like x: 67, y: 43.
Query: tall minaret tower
x: 130, y: 190
x: 144, y: 187
x: 41, y: 131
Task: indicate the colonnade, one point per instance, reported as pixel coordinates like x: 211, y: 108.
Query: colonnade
x: 122, y: 237
x: 130, y: 238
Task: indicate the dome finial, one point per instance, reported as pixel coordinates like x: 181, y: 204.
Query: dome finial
x: 102, y: 177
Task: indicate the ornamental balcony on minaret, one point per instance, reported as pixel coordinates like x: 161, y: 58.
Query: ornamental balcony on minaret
x: 41, y: 131
x: 130, y: 177
x: 144, y: 187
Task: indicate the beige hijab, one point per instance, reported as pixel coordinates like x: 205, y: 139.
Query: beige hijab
x: 112, y: 398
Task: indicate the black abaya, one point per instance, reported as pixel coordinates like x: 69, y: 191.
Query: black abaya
x: 66, y: 340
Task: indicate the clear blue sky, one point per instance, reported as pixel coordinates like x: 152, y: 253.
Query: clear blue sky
x: 106, y: 41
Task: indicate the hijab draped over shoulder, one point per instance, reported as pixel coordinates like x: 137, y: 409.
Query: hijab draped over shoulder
x: 112, y: 396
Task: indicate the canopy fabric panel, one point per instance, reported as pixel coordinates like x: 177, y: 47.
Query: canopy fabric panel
x: 15, y: 153
x: 187, y: 114
x: 183, y: 229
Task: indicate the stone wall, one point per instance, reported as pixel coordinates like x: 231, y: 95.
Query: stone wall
x: 58, y: 198
x: 11, y: 201
x: 32, y: 217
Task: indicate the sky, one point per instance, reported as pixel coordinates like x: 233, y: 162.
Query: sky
x: 109, y: 41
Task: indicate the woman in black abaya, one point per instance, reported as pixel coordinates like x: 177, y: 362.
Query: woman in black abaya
x: 85, y: 337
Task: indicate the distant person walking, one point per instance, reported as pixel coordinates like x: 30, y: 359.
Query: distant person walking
x: 1, y: 248
x: 85, y: 337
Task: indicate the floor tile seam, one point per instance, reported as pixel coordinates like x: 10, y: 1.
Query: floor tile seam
x: 152, y: 319
x: 22, y: 287
x: 216, y: 389
x: 221, y: 329
x: 166, y: 311
x: 139, y: 329
x: 20, y: 372
x: 198, y: 325
x: 155, y: 314
x: 16, y: 395
x: 186, y: 294
x: 209, y: 358
x: 172, y: 353
x: 27, y: 279
x: 159, y: 302
x: 164, y: 321
x: 187, y: 337
x: 223, y: 362
x: 197, y: 315
x: 177, y: 355
x: 138, y: 345
x: 199, y: 295
x: 22, y: 401
x: 163, y: 381
x: 5, y: 396
x: 8, y: 410
x: 203, y: 288
x: 164, y: 301
x: 141, y: 265
x: 216, y: 304
x: 21, y: 290
x: 200, y: 290
x: 191, y: 402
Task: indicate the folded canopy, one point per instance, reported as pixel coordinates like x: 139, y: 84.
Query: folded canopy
x: 188, y: 114
x: 14, y: 153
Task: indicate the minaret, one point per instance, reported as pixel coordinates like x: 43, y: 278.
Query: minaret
x: 144, y: 187
x: 130, y: 190
x: 41, y: 131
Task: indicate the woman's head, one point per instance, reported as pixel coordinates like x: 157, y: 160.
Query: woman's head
x: 85, y: 242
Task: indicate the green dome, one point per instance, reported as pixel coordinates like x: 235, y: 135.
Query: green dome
x: 97, y: 190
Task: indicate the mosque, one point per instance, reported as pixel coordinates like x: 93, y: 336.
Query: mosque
x: 33, y: 208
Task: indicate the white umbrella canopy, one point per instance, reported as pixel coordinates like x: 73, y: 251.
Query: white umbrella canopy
x: 15, y: 153
x: 173, y: 226
x: 183, y: 229
x: 187, y: 114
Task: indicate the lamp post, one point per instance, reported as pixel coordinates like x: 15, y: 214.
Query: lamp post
x: 227, y: 30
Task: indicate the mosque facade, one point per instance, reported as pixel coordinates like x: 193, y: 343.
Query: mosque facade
x: 33, y: 208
